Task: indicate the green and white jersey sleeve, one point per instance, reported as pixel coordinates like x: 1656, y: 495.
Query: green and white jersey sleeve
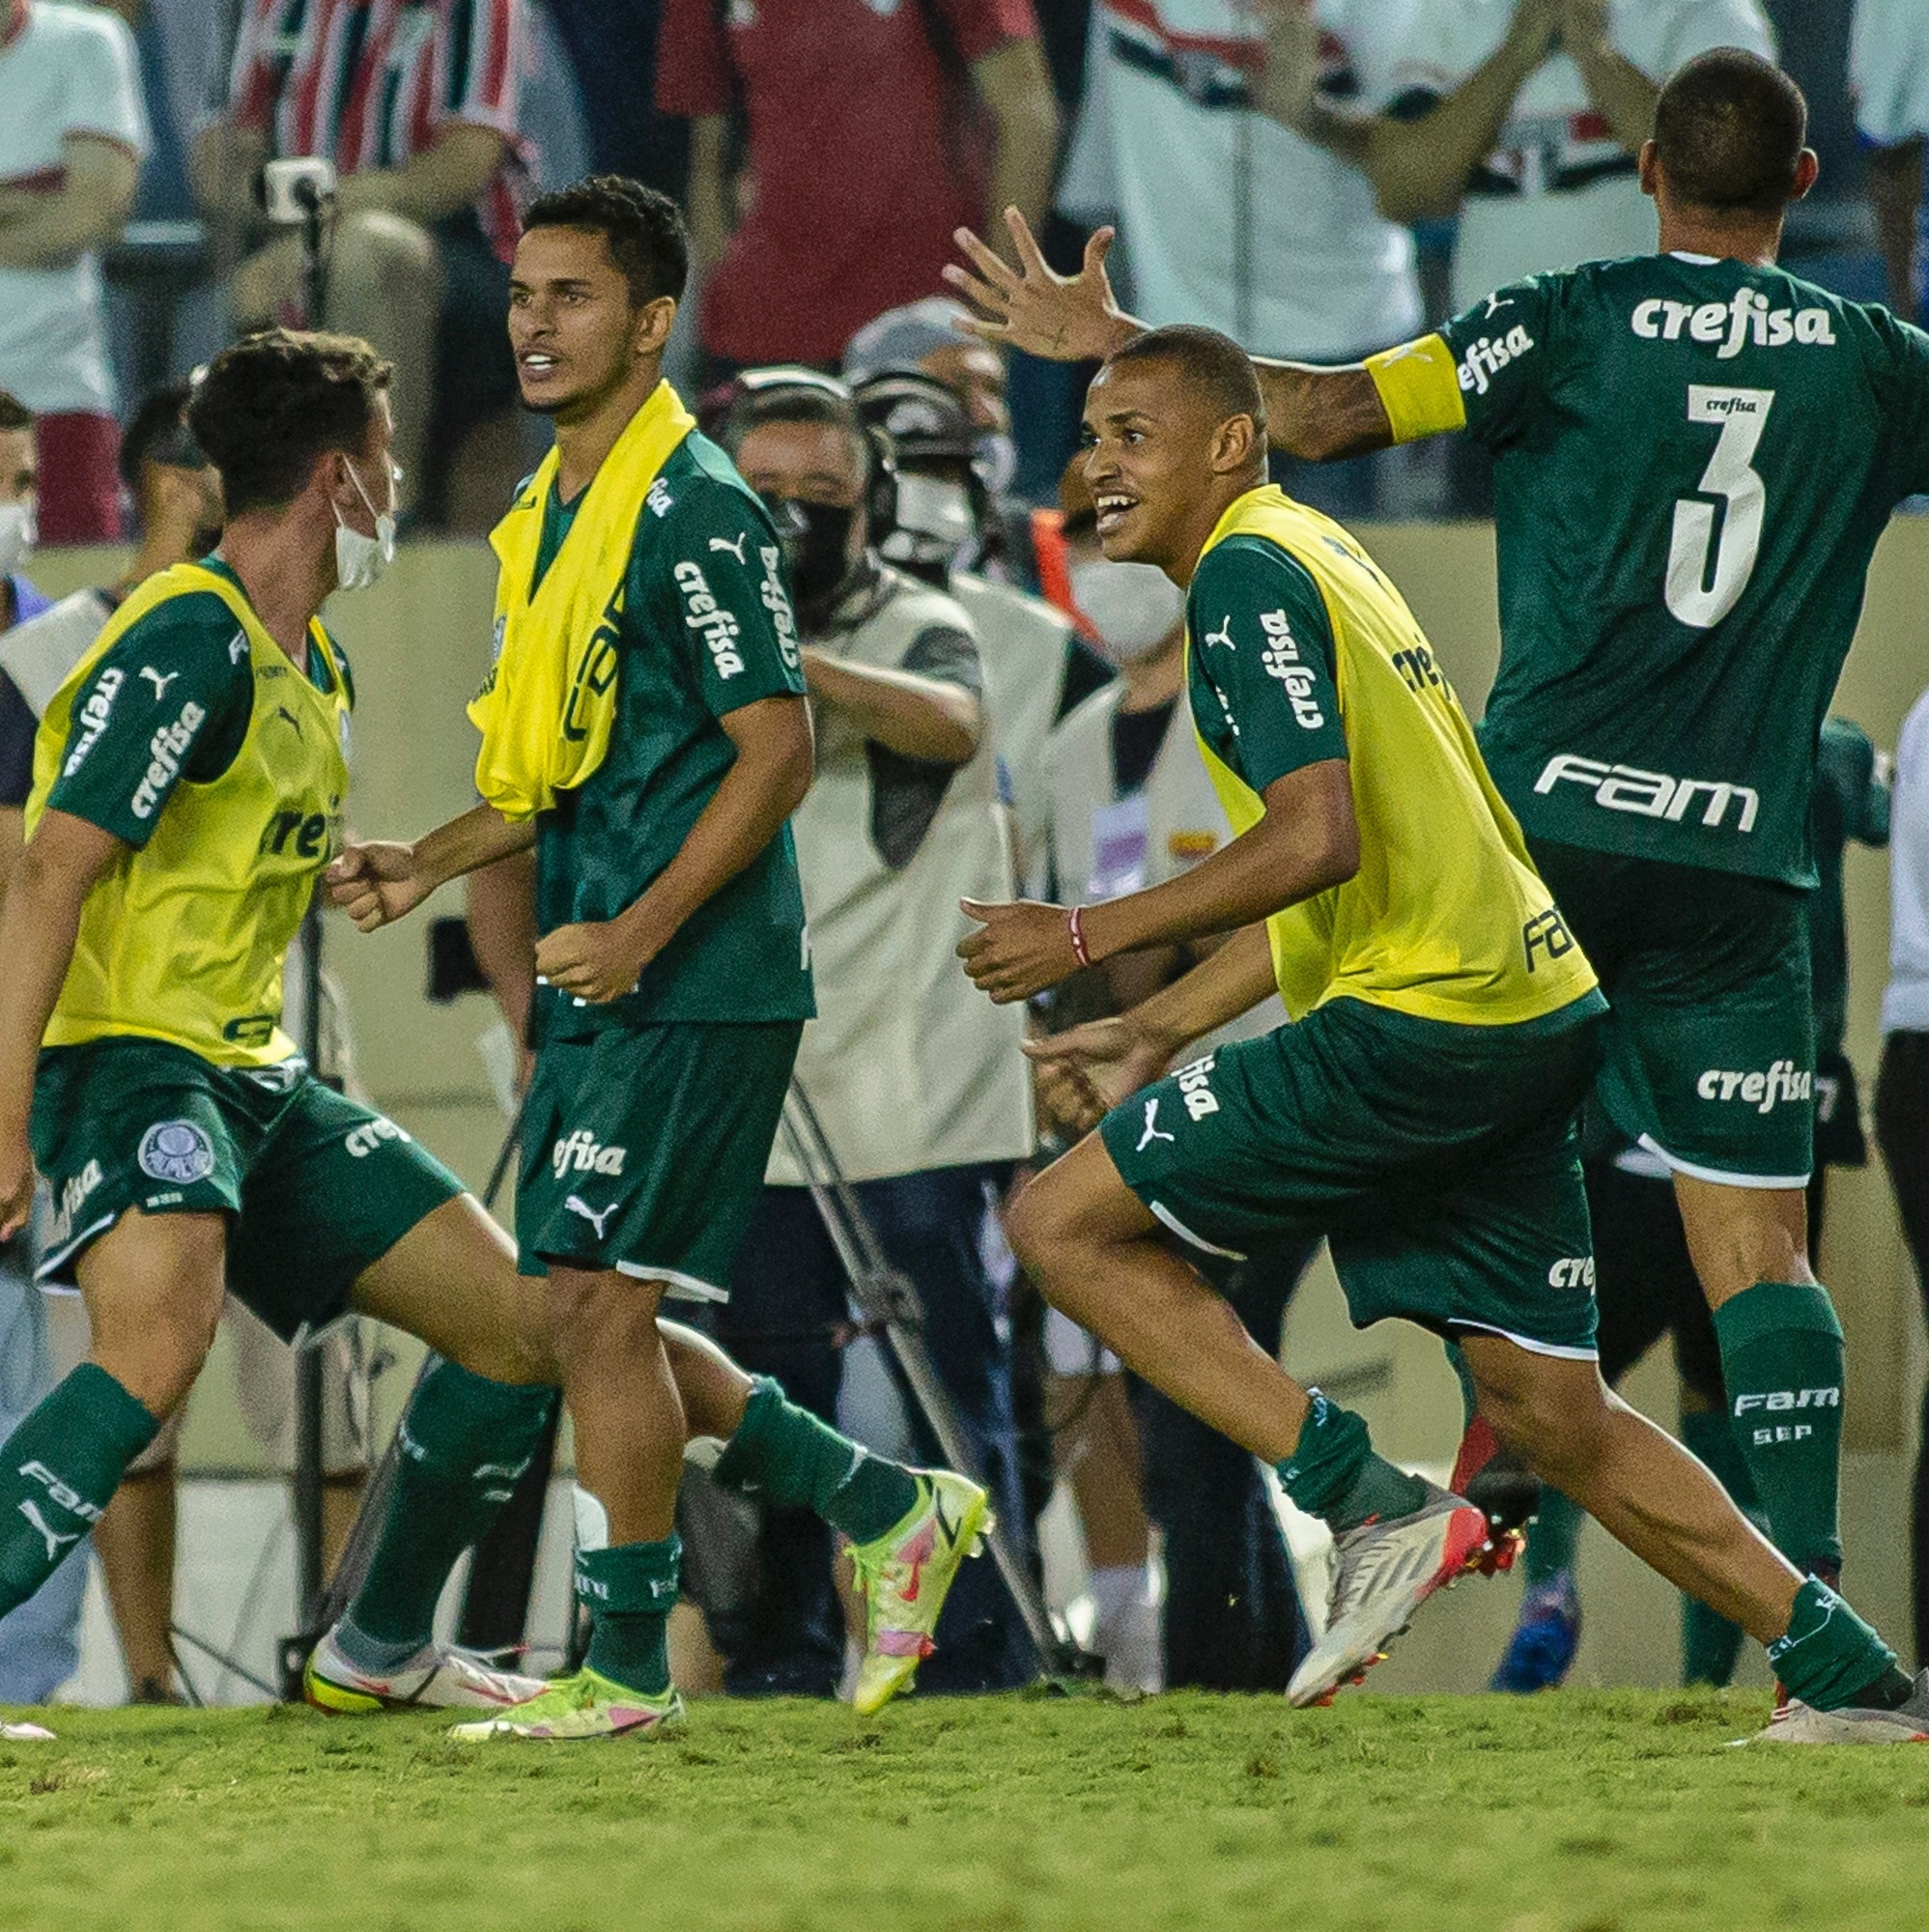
x: 1693, y: 460
x: 170, y: 700
x: 1265, y: 692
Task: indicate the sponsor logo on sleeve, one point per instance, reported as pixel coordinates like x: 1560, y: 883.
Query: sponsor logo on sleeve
x: 1748, y: 315
x: 362, y: 1140
x: 167, y: 750
x: 176, y: 1151
x: 581, y: 1152
x: 658, y: 497
x: 718, y: 627
x: 96, y: 709
x: 1652, y: 794
x: 1489, y: 354
x: 777, y: 601
x: 1195, y: 1089
x: 1282, y: 660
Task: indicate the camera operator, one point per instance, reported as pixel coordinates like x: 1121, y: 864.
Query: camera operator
x: 924, y: 1097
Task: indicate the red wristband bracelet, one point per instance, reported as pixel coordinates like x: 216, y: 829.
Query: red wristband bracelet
x: 1076, y: 919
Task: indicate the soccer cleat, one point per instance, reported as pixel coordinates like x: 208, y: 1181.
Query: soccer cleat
x: 586, y: 1705
x: 1798, y: 1723
x: 905, y: 1576
x: 1385, y: 1572
x: 432, y: 1680
x: 26, y: 1734
x: 1494, y: 1480
x: 1541, y: 1652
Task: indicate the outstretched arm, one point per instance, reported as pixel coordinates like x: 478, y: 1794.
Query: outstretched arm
x: 39, y: 924
x: 1318, y: 414
x: 380, y: 882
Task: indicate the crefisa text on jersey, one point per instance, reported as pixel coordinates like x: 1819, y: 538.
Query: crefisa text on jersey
x: 1747, y: 316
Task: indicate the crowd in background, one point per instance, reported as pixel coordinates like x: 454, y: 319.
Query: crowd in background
x: 998, y: 704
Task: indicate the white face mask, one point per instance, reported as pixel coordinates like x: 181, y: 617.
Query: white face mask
x: 1134, y: 606
x: 361, y: 560
x: 19, y: 535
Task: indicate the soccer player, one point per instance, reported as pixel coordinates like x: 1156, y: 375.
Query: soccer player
x: 1419, y: 1111
x: 189, y: 778
x: 1694, y: 455
x: 645, y: 731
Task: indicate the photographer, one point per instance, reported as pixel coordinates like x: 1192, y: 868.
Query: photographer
x: 924, y: 1097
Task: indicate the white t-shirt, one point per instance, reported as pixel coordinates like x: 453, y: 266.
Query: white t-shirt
x: 68, y: 71
x: 1889, y: 69
x: 1225, y: 217
x: 1905, y: 1005
x: 1559, y: 187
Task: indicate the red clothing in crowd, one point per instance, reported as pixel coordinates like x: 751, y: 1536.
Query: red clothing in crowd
x: 865, y: 152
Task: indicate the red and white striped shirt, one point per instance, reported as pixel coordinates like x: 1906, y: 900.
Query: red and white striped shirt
x: 372, y: 83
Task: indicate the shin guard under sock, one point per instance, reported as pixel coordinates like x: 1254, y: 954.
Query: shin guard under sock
x: 784, y: 1456
x: 1781, y: 1358
x: 463, y: 1441
x: 1334, y: 1474
x: 629, y: 1591
x: 58, y: 1472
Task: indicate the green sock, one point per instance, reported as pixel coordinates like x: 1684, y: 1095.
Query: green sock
x: 1829, y: 1657
x: 1552, y: 1537
x: 1334, y: 1474
x: 629, y: 1592
x: 1709, y: 1644
x: 463, y: 1441
x: 783, y: 1455
x: 1781, y: 1358
x: 59, y: 1470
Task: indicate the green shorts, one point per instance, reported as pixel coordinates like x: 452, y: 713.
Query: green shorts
x: 1442, y: 1163
x: 644, y: 1150
x: 1707, y: 1056
x: 318, y: 1188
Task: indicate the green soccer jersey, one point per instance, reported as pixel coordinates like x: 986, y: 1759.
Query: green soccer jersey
x: 706, y: 628
x: 1693, y: 460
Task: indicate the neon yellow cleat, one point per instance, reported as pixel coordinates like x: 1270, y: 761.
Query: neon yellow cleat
x: 905, y: 1576
x: 584, y: 1706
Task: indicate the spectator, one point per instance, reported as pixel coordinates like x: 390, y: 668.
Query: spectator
x: 1902, y: 1086
x: 1034, y: 664
x: 922, y: 1093
x: 1522, y: 117
x: 72, y: 137
x: 873, y: 131
x: 421, y: 123
x: 1888, y: 76
x: 1131, y: 805
x: 1225, y: 216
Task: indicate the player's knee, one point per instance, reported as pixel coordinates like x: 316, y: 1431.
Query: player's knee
x: 1551, y: 1419
x: 600, y: 1321
x: 1041, y: 1224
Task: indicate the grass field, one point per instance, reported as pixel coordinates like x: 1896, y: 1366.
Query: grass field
x: 1576, y: 1812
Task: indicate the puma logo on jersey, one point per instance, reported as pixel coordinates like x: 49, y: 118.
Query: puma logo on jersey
x: 1154, y: 1131
x: 577, y: 1204
x: 161, y: 680
x: 1746, y: 317
x: 1223, y: 633
x: 716, y: 626
x: 288, y: 719
x: 1487, y: 357
x: 733, y: 545
x: 1650, y: 794
x: 1763, y: 1091
x: 167, y: 750
x: 94, y: 711
x: 1282, y: 660
x: 583, y: 1152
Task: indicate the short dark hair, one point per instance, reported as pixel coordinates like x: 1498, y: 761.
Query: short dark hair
x: 1210, y: 362
x: 159, y: 433
x: 14, y: 414
x: 785, y: 394
x: 277, y: 400
x: 1729, y: 130
x: 642, y: 229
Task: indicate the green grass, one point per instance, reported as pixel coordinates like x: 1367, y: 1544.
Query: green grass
x: 1576, y: 1812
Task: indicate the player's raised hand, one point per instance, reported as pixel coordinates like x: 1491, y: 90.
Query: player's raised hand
x: 1033, y: 307
x: 1104, y: 1061
x: 375, y: 884
x: 595, y: 962
x: 1292, y: 73
x: 1021, y: 950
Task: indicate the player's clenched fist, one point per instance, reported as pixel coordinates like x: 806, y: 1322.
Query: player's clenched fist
x: 1022, y: 949
x: 376, y: 883
x: 1100, y: 1064
x: 595, y: 962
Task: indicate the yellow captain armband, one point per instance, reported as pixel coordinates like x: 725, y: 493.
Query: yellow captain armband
x: 1420, y: 386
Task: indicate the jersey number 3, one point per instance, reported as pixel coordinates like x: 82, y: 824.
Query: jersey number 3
x: 1695, y: 595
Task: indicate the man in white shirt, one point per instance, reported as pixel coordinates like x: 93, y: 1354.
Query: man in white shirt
x: 1888, y: 78
x: 72, y: 135
x: 1902, y: 1086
